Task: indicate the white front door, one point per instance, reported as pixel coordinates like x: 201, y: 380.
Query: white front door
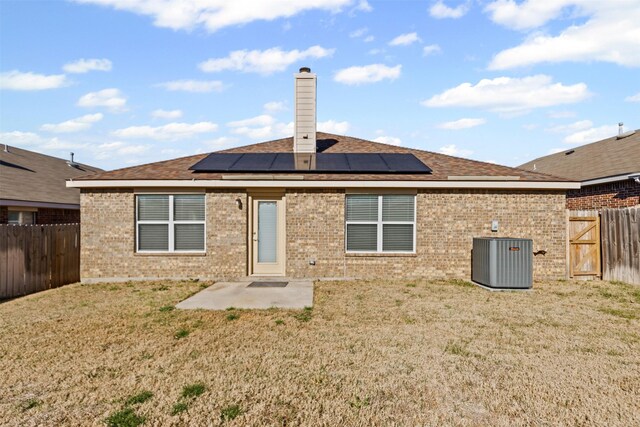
x: 268, y: 236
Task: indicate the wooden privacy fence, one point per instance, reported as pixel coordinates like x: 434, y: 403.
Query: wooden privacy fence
x: 620, y: 244
x: 38, y: 257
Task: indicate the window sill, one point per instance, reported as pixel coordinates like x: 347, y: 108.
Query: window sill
x: 165, y: 254
x: 380, y: 254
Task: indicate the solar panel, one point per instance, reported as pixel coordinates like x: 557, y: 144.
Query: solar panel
x: 319, y: 163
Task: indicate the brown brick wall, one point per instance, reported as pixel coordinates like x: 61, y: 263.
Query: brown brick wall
x: 57, y: 216
x: 108, y: 239
x: 4, y: 215
x: 447, y: 222
x: 620, y: 194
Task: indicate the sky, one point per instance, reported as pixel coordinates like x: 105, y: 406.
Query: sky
x: 126, y: 82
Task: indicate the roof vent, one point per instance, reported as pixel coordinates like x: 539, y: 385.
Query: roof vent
x: 622, y: 133
x: 6, y: 148
x: 569, y: 152
x: 72, y: 163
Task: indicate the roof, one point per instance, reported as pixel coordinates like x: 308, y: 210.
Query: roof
x: 609, y: 157
x: 34, y: 177
x: 442, y: 166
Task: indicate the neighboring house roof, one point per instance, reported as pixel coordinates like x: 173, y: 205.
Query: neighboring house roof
x: 606, y: 158
x: 444, y: 167
x: 34, y: 177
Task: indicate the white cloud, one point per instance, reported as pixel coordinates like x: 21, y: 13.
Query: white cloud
x: 110, y: 98
x: 610, y: 33
x: 216, y: 14
x: 360, y: 32
x: 363, y: 6
x: 440, y: 10
x: 167, y: 132
x: 74, y: 125
x: 119, y: 148
x: 462, y: 124
x: 332, y: 126
x: 431, y: 49
x: 561, y: 114
x: 166, y: 114
x: 219, y: 143
x: 405, y: 39
x: 85, y: 65
x: 572, y: 127
x: 262, y: 120
x: 592, y: 135
x: 367, y: 74
x: 275, y: 106
x: 36, y: 142
x: 391, y: 140
x: 510, y: 94
x: 633, y: 98
x: 196, y: 86
x: 263, y: 61
x: 260, y: 127
x: 453, y: 150
x: 17, y: 80
x: 368, y: 39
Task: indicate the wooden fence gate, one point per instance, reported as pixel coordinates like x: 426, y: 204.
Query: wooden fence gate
x: 38, y: 257
x: 621, y: 244
x: 584, y: 246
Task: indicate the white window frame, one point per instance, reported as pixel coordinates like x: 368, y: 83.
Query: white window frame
x: 171, y: 224
x: 380, y: 224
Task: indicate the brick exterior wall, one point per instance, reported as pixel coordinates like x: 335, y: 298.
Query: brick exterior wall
x: 620, y: 194
x: 447, y: 220
x: 108, y: 240
x: 4, y: 215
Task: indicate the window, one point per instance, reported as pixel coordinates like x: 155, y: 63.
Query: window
x: 22, y: 217
x: 380, y: 223
x: 170, y: 223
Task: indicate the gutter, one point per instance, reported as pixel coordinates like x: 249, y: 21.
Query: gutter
x: 220, y: 183
x: 606, y: 180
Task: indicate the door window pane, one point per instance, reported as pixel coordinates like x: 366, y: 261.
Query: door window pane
x: 267, y: 231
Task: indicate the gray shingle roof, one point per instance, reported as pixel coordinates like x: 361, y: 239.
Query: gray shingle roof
x: 34, y: 177
x: 600, y: 159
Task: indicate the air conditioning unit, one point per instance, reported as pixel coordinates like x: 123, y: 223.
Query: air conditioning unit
x: 502, y: 262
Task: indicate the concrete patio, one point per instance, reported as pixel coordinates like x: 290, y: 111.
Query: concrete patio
x: 263, y: 294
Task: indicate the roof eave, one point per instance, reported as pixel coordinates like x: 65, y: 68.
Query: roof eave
x: 282, y: 183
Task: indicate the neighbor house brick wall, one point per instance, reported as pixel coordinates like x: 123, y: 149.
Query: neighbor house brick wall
x: 108, y: 240
x: 447, y: 221
x: 4, y: 215
x: 619, y: 194
x: 57, y: 216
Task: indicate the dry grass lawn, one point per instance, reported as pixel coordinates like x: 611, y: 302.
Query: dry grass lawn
x: 369, y: 353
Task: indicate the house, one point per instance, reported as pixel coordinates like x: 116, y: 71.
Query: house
x: 313, y: 205
x: 33, y: 190
x: 609, y: 171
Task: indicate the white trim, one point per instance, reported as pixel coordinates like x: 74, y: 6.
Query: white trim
x: 213, y: 183
x: 608, y: 179
x: 171, y: 226
x: 380, y: 225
